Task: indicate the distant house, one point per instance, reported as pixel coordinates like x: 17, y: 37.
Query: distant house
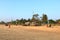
x: 34, y: 24
x: 27, y: 23
x: 31, y: 24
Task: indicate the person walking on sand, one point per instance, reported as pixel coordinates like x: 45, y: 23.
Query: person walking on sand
x: 9, y: 25
x: 50, y: 25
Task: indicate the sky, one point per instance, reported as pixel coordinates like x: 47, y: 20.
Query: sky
x: 17, y: 9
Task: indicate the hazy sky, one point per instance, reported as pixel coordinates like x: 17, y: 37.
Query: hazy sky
x: 17, y: 9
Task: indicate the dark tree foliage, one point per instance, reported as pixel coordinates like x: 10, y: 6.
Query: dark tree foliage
x: 36, y: 19
x: 13, y: 22
x: 2, y: 22
x: 58, y: 21
x: 44, y: 19
x: 52, y: 21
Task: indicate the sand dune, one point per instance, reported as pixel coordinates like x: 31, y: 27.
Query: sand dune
x: 29, y: 33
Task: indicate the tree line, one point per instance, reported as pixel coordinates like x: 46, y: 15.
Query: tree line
x: 36, y: 19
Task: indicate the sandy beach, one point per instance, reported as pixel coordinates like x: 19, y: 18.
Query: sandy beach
x: 29, y: 32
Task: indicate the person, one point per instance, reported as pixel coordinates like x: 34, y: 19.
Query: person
x: 50, y: 25
x: 9, y: 25
x: 47, y: 25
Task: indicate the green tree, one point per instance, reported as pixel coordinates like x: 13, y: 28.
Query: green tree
x: 44, y: 19
x: 2, y: 22
x: 17, y: 21
x: 22, y: 21
x: 51, y: 21
x: 58, y: 21
x: 29, y: 20
x: 12, y: 22
x: 35, y: 17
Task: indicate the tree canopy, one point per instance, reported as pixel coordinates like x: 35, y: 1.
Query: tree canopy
x: 44, y: 19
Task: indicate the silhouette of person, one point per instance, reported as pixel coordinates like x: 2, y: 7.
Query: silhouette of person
x: 9, y: 25
x: 50, y: 25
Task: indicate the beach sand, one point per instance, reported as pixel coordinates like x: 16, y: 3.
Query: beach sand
x: 29, y: 32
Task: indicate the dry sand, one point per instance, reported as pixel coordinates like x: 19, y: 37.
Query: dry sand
x: 29, y: 33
